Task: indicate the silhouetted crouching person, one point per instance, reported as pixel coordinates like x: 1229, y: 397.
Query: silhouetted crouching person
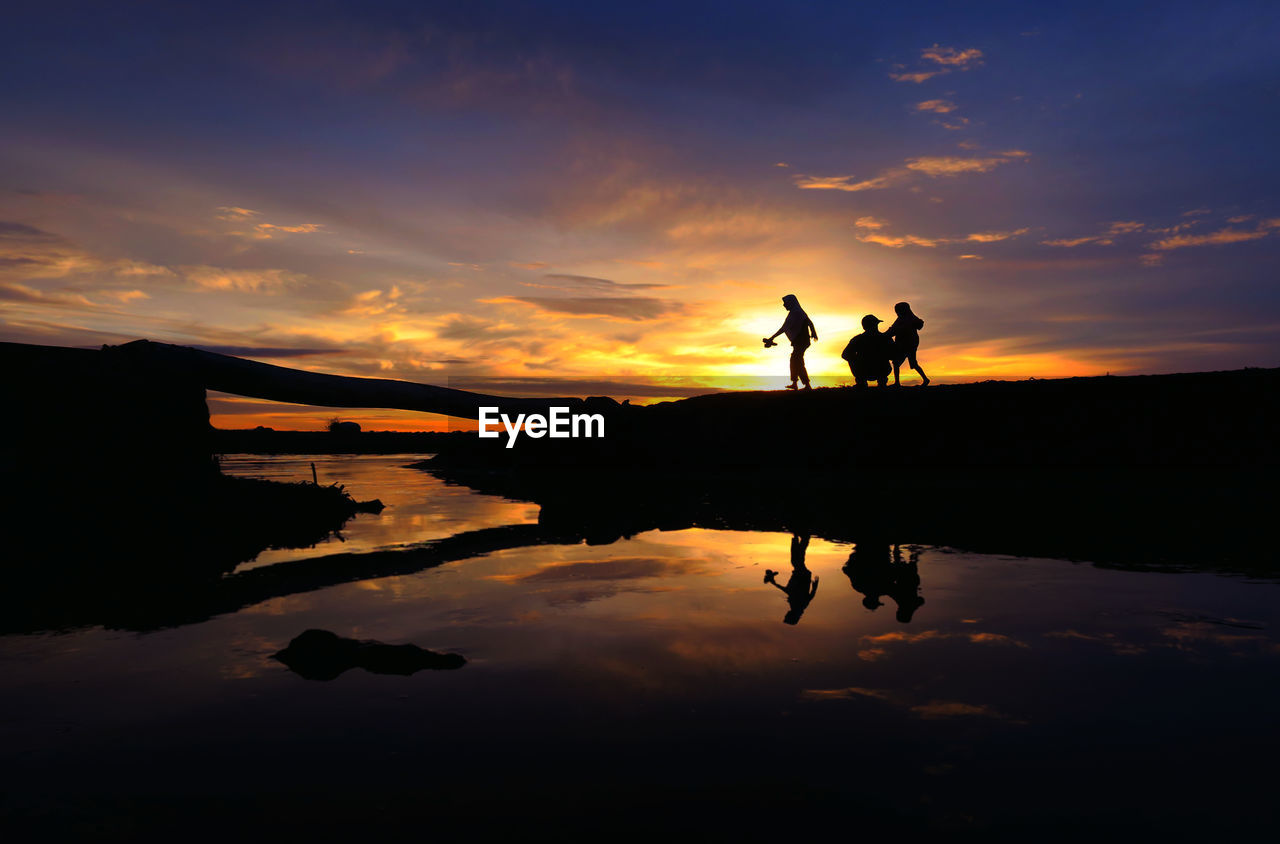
x: 875, y: 574
x: 869, y: 354
x: 905, y: 332
x: 802, y: 586
x: 798, y: 328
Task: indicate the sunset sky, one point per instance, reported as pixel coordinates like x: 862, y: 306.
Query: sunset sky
x: 589, y: 198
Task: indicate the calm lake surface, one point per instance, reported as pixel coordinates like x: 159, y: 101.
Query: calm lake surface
x: 1023, y: 695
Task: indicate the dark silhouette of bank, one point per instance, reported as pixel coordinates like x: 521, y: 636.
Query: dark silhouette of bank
x: 323, y: 655
x: 869, y: 354
x: 905, y: 333
x: 121, y: 518
x: 799, y: 329
x: 876, y: 571
x: 801, y: 586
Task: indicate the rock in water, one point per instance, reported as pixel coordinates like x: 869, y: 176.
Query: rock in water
x: 323, y: 655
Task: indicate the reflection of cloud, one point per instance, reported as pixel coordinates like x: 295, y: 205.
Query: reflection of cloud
x: 995, y: 639
x: 936, y: 709
x: 1111, y: 640
x: 936, y: 635
x: 617, y: 568
x: 902, y: 636
x: 930, y: 711
x: 846, y: 693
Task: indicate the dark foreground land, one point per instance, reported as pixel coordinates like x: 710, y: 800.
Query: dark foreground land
x: 1161, y: 470
x: 1167, y: 473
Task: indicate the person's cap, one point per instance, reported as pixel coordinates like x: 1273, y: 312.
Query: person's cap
x: 870, y: 320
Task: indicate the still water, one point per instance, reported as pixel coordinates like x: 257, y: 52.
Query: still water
x: 1020, y: 696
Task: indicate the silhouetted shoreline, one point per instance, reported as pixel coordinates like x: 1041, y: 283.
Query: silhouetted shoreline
x: 1144, y: 469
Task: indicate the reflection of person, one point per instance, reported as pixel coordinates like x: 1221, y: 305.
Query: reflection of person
x: 869, y: 354
x: 798, y: 328
x: 905, y: 332
x: 905, y: 584
x: 802, y: 586
x: 875, y: 574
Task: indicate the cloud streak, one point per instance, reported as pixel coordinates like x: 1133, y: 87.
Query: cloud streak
x: 633, y: 308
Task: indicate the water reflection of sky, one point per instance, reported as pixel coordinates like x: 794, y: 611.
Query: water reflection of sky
x: 420, y: 508
x: 665, y: 658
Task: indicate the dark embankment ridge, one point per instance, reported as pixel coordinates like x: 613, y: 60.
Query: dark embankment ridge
x: 109, y: 476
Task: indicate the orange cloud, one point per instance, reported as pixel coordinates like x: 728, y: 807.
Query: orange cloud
x: 936, y: 106
x: 846, y: 183
x: 1182, y: 241
x: 917, y: 77
x: 900, y: 241
x: 947, y: 165
x: 952, y: 57
x: 1069, y: 242
x: 233, y: 212
x: 269, y: 282
x: 992, y: 237
x: 266, y: 229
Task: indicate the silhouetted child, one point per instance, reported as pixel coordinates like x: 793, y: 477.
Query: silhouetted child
x: 869, y: 354
x: 802, y: 586
x: 798, y: 328
x: 905, y: 332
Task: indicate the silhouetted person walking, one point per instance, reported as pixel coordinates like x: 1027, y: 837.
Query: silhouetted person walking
x: 802, y: 586
x: 905, y: 332
x: 798, y: 328
x: 869, y: 354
